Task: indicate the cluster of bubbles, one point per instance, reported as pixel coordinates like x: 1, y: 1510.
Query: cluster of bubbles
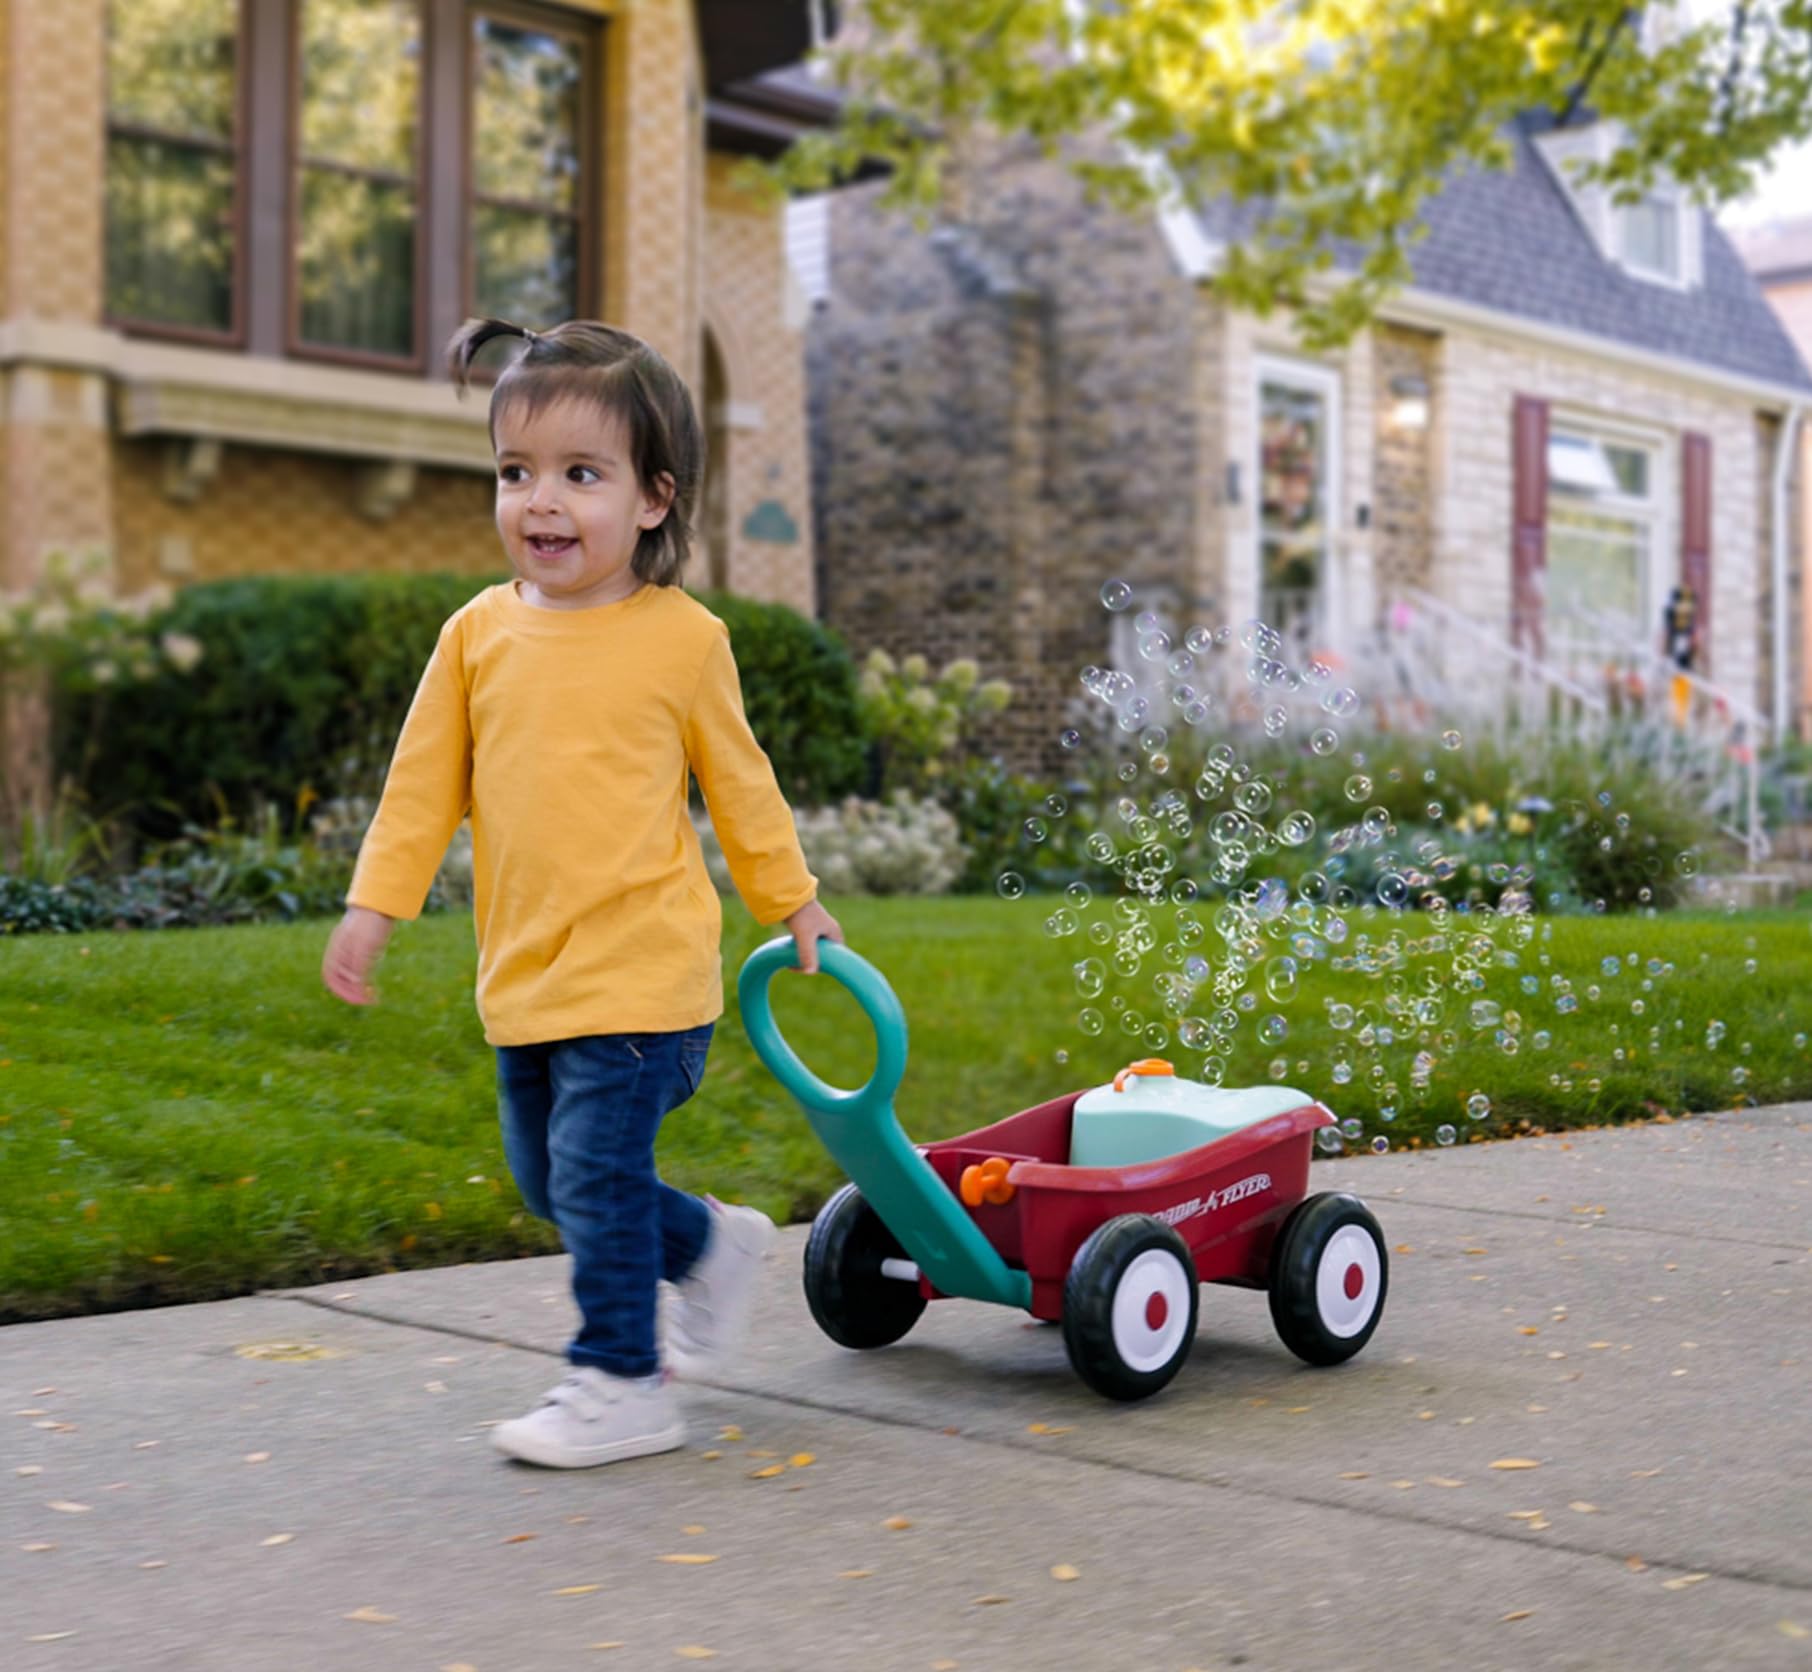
x: 1190, y: 964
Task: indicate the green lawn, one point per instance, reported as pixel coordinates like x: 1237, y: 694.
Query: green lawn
x: 186, y: 1114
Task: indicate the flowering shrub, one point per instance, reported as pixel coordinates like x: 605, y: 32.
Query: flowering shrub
x: 922, y: 728
x: 904, y: 845
x: 339, y: 827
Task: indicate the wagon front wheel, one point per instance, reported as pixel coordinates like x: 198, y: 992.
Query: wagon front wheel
x: 1129, y: 1307
x: 1329, y: 1273
x: 855, y: 1303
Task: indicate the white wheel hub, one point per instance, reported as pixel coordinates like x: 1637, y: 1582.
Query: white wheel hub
x: 1151, y: 1310
x: 1348, y: 1281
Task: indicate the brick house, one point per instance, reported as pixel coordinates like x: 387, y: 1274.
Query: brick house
x: 1573, y: 406
x: 1779, y: 256
x: 234, y: 235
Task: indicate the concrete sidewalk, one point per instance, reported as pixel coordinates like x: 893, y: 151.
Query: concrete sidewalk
x: 1631, y: 1311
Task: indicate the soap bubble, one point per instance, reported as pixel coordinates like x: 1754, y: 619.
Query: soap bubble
x: 1444, y: 1135
x: 1089, y: 1020
x: 1253, y: 797
x: 1116, y: 595
x: 1478, y: 1106
x: 1358, y: 787
x: 1273, y: 1030
x: 1327, y: 1140
x: 1091, y: 977
x: 1277, y: 1068
x: 1688, y: 863
x: 1078, y: 894
x: 1296, y: 829
x: 1280, y: 979
x: 1393, y: 891
x: 1324, y: 740
x: 1451, y: 740
x: 1341, y: 702
x: 1056, y: 806
x: 1062, y: 1056
x: 1340, y: 1017
x: 1036, y: 830
x: 1352, y: 1129
x: 1070, y: 738
x: 1380, y: 1145
x: 1061, y: 922
x: 1010, y: 886
x: 1486, y: 1013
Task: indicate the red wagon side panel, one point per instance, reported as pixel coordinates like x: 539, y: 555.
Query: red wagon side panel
x: 1228, y: 1199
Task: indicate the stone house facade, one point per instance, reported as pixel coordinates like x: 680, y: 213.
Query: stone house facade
x: 235, y: 234
x: 1570, y: 409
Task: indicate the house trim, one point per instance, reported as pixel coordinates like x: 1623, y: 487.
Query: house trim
x: 1432, y: 311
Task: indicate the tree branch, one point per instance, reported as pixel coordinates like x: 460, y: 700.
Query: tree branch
x: 1727, y: 88
x: 1584, y: 85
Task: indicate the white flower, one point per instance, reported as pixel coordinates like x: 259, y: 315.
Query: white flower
x: 182, y: 650
x: 915, y: 667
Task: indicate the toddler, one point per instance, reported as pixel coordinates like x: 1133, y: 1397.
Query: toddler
x: 564, y: 711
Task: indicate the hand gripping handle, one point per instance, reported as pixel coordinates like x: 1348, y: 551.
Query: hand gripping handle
x: 870, y: 990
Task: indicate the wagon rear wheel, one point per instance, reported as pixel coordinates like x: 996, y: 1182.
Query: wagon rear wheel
x: 854, y: 1303
x: 1329, y: 1273
x: 1129, y: 1307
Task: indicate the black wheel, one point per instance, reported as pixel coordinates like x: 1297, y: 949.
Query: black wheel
x: 855, y: 1305
x: 1329, y: 1273
x: 1129, y: 1307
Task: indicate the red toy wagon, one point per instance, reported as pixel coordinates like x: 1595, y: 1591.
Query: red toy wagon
x: 1102, y: 1210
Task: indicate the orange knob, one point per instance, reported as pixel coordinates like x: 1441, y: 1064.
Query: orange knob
x: 1156, y: 1066
x: 986, y: 1181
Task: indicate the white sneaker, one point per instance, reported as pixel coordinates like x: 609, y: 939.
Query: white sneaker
x: 593, y: 1418
x: 710, y: 1312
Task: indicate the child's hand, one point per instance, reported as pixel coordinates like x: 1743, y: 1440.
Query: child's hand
x: 356, y: 943
x: 810, y: 924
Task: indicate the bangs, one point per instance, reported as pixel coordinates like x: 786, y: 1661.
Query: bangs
x: 610, y: 391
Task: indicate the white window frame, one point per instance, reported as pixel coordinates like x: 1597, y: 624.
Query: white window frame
x: 1651, y: 511
x: 1566, y: 150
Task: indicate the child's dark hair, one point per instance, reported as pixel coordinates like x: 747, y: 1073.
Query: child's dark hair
x: 625, y: 379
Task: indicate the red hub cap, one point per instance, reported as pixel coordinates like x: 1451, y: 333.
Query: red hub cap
x: 1355, y: 1281
x: 1157, y: 1309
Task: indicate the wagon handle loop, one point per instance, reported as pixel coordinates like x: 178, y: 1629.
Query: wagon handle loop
x: 870, y: 990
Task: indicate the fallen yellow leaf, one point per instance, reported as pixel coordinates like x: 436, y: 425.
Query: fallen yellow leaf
x: 370, y: 1617
x: 768, y: 1473
x: 764, y: 1454
x: 1683, y: 1581
x: 575, y: 1590
x: 711, y: 1456
x: 609, y: 1643
x: 1444, y: 1480
x: 1035, y: 1428
x: 35, y: 1548
x: 1063, y: 1573
x: 1404, y: 1248
x: 1355, y: 1474
x: 1403, y: 1485
x: 1643, y: 1474
x: 944, y: 1666
x: 857, y: 1573
x: 1583, y: 1507
x: 520, y: 1538
x: 257, y: 1457
x: 688, y: 1559
x: 1516, y: 1463
x: 30, y: 1469
x: 1527, y: 1329
x: 50, y: 1637
x: 284, y: 1538
x: 66, y: 1507
x: 729, y: 1432
x: 990, y: 1600
x: 1523, y: 1515
x: 459, y: 1666
x: 695, y: 1651
x: 896, y: 1523
x: 802, y: 1459
x: 1635, y: 1564
x: 1519, y: 1614
x: 153, y: 1564
x: 1792, y: 1628
x: 1472, y: 1251
x: 693, y: 1529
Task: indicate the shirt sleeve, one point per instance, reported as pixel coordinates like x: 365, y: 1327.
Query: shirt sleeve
x: 754, y: 825
x: 427, y: 792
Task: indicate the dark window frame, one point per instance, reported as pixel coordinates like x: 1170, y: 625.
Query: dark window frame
x: 587, y: 217
x: 236, y: 148
x: 266, y: 151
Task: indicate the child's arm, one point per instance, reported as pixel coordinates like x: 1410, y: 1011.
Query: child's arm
x: 754, y: 825
x: 426, y: 793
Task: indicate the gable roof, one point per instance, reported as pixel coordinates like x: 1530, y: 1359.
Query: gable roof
x: 1511, y: 242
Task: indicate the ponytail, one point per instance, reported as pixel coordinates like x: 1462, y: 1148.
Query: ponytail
x: 463, y: 349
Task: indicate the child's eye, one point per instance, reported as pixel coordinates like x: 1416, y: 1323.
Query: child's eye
x: 582, y: 473
x: 509, y: 473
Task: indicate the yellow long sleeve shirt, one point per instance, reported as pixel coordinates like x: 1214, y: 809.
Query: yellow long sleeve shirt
x: 568, y: 735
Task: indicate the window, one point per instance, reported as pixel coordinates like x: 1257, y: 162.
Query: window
x: 172, y: 246
x: 528, y: 177
x: 1649, y: 232
x: 1602, y: 510
x: 349, y: 179
x: 355, y: 193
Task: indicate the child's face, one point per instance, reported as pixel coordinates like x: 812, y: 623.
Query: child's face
x: 569, y: 507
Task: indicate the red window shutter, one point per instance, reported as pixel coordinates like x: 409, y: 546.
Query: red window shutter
x: 1529, y: 521
x: 1695, y: 538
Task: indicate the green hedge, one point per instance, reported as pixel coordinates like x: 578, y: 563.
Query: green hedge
x: 305, y: 680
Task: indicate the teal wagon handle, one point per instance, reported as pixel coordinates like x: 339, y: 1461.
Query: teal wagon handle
x: 863, y: 1135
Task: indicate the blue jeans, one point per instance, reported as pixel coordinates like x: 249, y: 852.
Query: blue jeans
x: 579, y: 1118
